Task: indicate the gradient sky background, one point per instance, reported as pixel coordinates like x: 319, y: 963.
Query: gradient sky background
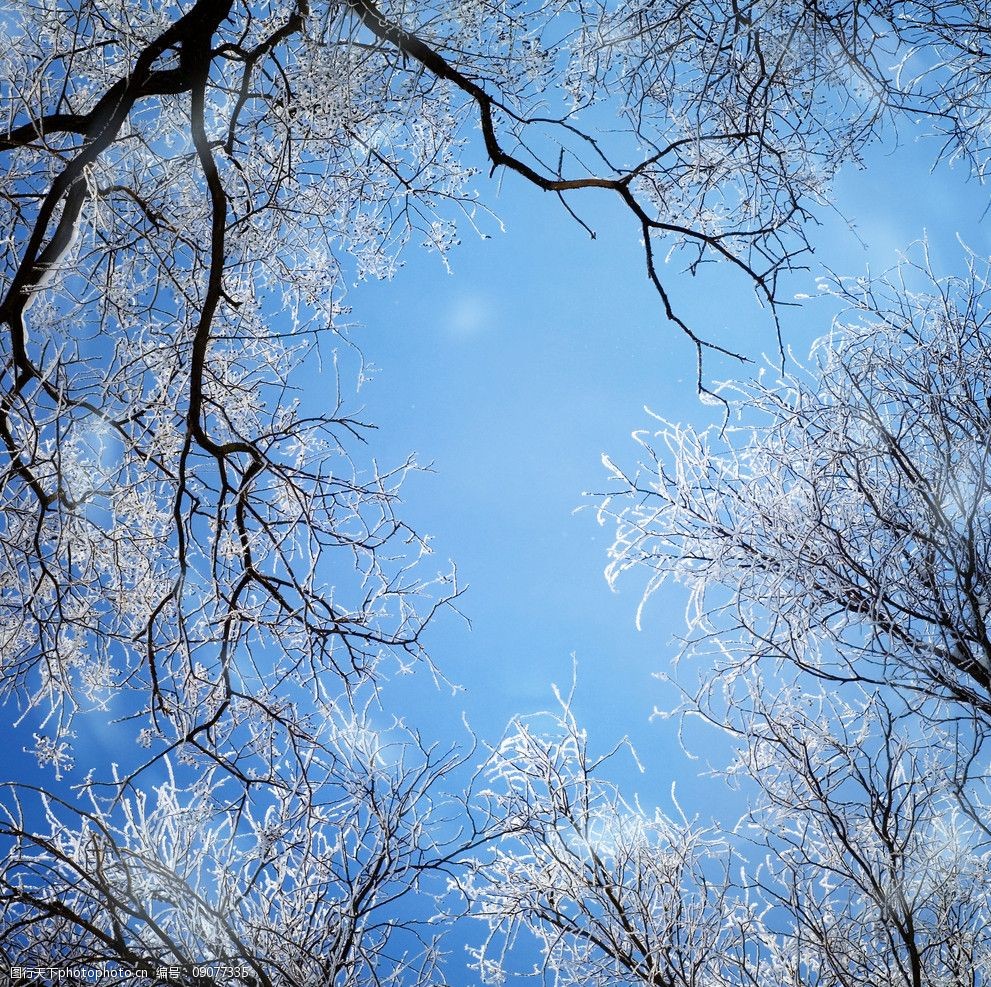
x: 512, y: 375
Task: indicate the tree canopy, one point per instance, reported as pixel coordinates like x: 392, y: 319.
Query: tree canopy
x: 193, y: 546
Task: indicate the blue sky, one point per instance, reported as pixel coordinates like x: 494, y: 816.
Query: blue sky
x: 538, y: 353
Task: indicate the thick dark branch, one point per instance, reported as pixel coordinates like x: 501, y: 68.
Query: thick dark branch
x: 103, y: 125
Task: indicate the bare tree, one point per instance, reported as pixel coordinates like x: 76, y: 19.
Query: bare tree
x: 328, y: 880
x: 923, y: 58
x: 873, y: 869
x: 843, y: 525
x: 610, y: 893
x: 833, y: 539
x: 864, y: 857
